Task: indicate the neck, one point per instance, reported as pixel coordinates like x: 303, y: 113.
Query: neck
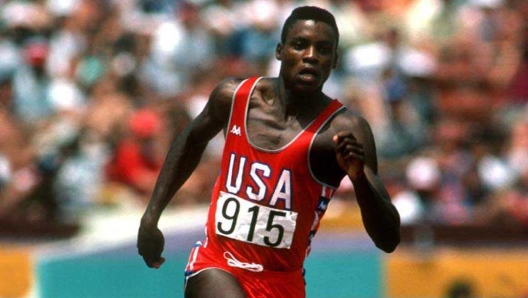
x: 300, y: 104
x: 293, y: 95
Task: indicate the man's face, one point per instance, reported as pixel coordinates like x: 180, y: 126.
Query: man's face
x: 308, y: 55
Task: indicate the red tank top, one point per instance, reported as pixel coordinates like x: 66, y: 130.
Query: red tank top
x: 266, y: 204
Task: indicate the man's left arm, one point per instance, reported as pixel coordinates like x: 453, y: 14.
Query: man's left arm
x: 356, y: 155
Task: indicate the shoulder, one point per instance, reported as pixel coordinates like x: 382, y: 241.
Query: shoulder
x: 224, y: 93
x: 221, y: 98
x: 350, y: 121
x: 342, y: 120
x: 322, y: 157
x: 347, y: 120
x: 225, y: 90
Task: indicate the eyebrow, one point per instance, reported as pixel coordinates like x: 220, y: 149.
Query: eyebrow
x: 301, y: 37
x: 328, y: 42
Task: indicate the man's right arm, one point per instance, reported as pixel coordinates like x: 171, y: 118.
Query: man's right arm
x: 186, y: 151
x: 181, y: 160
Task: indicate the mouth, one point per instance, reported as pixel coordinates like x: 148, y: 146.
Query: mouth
x: 308, y: 74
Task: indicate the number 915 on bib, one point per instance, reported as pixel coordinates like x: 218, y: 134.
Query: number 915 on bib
x: 246, y: 221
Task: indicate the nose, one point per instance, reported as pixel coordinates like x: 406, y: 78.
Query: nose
x: 310, y: 54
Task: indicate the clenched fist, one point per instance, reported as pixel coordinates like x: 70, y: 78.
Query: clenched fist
x: 350, y: 154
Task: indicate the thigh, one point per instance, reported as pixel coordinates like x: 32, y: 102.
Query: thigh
x: 276, y: 286
x: 213, y: 283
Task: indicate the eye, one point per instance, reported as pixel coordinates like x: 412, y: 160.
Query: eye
x: 298, y: 44
x: 325, y: 49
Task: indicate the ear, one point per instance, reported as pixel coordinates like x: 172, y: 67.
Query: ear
x: 336, y: 60
x: 278, y: 51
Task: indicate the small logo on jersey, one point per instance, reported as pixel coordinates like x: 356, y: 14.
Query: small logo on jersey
x: 323, y: 204
x: 236, y: 130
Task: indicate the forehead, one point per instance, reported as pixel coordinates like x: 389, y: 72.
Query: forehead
x: 311, y: 29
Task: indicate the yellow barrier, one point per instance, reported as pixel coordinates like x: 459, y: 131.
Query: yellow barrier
x: 411, y: 273
x: 342, y: 215
x: 16, y: 271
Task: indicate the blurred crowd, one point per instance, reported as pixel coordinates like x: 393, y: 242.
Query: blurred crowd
x: 93, y: 92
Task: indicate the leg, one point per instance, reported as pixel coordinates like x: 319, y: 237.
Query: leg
x: 213, y: 283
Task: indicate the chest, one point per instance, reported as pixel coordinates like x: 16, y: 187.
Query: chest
x: 270, y: 132
x: 267, y: 128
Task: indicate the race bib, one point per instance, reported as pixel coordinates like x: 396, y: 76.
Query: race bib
x: 246, y: 221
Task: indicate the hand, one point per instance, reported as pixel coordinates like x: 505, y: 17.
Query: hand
x: 350, y: 154
x: 150, y: 245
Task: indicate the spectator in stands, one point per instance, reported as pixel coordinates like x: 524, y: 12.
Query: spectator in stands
x: 181, y: 45
x: 137, y: 160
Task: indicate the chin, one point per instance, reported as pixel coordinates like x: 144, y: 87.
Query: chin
x: 305, y: 87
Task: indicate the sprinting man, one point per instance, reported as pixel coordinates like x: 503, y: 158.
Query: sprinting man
x: 287, y: 148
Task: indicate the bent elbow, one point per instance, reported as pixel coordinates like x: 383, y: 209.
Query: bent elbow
x: 389, y: 245
x: 388, y: 248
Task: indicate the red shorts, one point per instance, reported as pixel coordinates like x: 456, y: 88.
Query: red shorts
x: 256, y: 284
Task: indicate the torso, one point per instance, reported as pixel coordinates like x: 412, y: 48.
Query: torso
x: 267, y: 203
x: 269, y: 129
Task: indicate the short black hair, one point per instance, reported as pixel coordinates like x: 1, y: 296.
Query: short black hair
x: 309, y: 13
